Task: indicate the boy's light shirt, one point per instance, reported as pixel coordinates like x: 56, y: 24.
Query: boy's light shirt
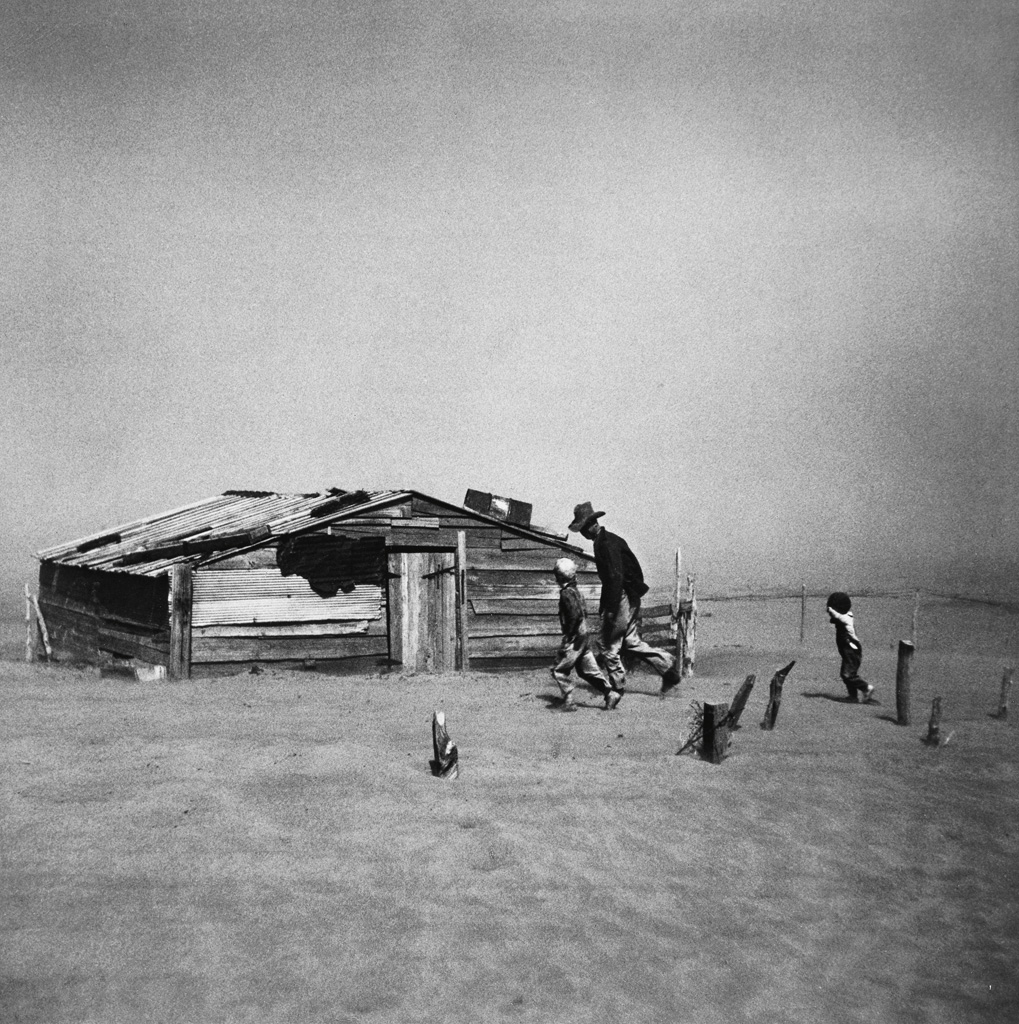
x: 847, y: 621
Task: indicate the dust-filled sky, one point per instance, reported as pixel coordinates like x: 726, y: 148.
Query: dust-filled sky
x: 743, y: 273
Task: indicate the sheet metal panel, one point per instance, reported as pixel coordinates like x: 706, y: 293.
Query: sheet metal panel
x: 266, y: 595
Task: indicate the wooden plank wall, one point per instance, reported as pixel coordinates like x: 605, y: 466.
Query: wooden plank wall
x: 246, y: 612
x: 94, y: 616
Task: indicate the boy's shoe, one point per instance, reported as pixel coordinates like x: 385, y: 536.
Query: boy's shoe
x: 612, y: 699
x: 868, y: 693
x: 670, y: 679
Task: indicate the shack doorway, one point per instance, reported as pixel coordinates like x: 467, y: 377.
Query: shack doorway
x: 423, y: 618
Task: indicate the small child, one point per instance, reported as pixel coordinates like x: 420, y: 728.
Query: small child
x: 575, y: 651
x: 849, y: 646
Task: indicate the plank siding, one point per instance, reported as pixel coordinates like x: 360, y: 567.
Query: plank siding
x: 543, y: 647
x: 284, y: 648
x: 366, y: 627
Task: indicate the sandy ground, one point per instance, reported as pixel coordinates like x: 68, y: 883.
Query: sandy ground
x: 273, y: 848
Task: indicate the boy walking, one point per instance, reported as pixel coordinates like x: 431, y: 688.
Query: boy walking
x: 574, y: 651
x: 848, y: 643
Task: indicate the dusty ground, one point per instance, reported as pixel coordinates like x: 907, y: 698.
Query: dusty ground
x: 273, y: 848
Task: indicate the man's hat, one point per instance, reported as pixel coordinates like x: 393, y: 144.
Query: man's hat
x: 840, y: 602
x: 583, y: 515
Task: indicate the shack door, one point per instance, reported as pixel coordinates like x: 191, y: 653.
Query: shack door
x: 422, y: 610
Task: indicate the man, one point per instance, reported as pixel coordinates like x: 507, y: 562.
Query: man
x: 574, y: 651
x: 622, y: 587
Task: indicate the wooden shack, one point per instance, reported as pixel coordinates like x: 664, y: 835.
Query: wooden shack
x: 339, y: 580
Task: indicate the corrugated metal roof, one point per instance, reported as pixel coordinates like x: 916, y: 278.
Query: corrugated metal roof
x: 232, y: 522
x: 242, y: 517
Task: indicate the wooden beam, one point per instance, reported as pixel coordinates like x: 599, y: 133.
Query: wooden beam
x: 715, y: 735
x: 180, y: 621
x: 902, y: 682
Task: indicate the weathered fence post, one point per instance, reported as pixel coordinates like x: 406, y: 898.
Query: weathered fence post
x: 775, y: 696
x: 29, y: 639
x: 44, y: 633
x: 446, y: 760
x: 739, y: 702
x: 803, y: 611
x: 934, y: 725
x: 902, y: 682
x: 690, y: 642
x: 1006, y: 689
x: 715, y: 737
x: 677, y: 610
x: 180, y: 621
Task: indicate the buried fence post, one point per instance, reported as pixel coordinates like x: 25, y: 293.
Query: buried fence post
x: 902, y: 682
x: 934, y: 725
x: 1006, y: 689
x: 715, y: 736
x: 775, y: 696
x: 445, y: 762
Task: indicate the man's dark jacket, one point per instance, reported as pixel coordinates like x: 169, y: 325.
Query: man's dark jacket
x: 618, y: 570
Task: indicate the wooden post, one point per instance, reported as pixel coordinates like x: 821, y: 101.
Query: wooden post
x: 902, y: 682
x: 739, y: 702
x: 1006, y: 689
x: 916, y: 615
x: 677, y: 613
x: 715, y: 737
x: 44, y: 633
x: 29, y: 639
x: 803, y: 611
x: 446, y: 757
x: 690, y: 641
x: 934, y: 725
x: 775, y: 696
x: 180, y: 621
x: 462, y: 657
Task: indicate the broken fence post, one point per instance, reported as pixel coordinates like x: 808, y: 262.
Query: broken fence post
x: 446, y: 759
x: 775, y: 696
x: 1006, y: 690
x: 902, y: 682
x: 934, y: 725
x: 715, y: 735
x: 739, y: 702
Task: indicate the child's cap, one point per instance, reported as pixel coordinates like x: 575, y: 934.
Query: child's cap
x: 566, y: 569
x: 840, y: 602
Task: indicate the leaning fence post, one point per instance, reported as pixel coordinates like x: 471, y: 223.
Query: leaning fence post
x: 1006, y: 689
x: 902, y: 681
x: 690, y: 643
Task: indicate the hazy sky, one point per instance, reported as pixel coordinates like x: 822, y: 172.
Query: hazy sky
x: 743, y: 274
